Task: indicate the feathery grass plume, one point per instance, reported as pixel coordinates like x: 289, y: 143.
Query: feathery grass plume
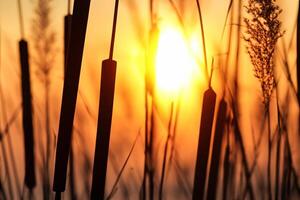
x: 44, y: 39
x: 262, y: 33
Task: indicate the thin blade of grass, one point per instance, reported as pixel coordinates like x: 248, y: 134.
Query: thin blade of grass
x: 216, y: 152
x: 110, y: 195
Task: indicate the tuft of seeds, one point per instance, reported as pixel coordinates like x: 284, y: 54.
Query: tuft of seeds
x: 262, y: 32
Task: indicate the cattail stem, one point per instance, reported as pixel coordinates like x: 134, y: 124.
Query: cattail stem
x: 107, y: 90
x: 207, y: 117
x: 69, y: 7
x: 21, y: 21
x: 76, y: 44
x: 112, y: 42
x: 203, y: 39
x: 27, y: 117
x: 104, y: 127
x: 216, y: 151
x: 67, y: 32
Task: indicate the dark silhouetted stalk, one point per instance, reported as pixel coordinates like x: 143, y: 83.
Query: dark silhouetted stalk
x: 27, y: 117
x: 76, y: 44
x: 30, y: 181
x: 148, y: 175
x: 216, y: 151
x: 107, y: 90
x: 207, y: 117
x: 203, y: 38
x: 104, y: 127
x: 239, y: 139
x: 163, y: 171
x: 67, y: 32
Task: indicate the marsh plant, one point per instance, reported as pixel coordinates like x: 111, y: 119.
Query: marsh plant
x: 263, y: 31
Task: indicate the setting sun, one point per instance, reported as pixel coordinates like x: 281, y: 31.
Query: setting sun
x: 174, y: 63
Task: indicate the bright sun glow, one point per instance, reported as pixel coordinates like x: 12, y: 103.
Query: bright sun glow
x: 174, y: 62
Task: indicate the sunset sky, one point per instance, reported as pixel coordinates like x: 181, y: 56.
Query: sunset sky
x: 131, y: 40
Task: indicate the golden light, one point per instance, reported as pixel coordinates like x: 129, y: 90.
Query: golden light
x: 174, y: 63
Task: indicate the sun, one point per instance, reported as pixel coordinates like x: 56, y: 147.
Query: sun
x: 174, y: 62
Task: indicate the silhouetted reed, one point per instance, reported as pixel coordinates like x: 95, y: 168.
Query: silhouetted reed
x: 27, y: 117
x: 207, y: 118
x: 106, y: 102
x: 74, y: 59
x: 216, y: 151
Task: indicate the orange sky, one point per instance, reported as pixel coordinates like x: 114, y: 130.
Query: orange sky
x: 130, y: 38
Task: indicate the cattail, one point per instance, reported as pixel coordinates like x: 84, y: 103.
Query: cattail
x: 30, y: 181
x: 104, y: 126
x: 207, y: 117
x: 74, y: 59
x: 27, y: 117
x: 67, y: 32
x: 216, y: 151
x: 107, y: 90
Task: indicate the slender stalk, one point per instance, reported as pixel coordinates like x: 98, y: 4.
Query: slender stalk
x: 216, y: 152
x: 146, y: 145
x: 8, y: 175
x: 21, y: 21
x: 112, y: 42
x: 166, y: 153
x: 203, y: 38
x: 269, y: 154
